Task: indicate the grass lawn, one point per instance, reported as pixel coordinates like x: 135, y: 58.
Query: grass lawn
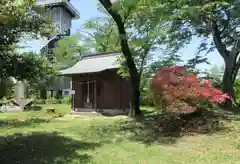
x: 38, y: 138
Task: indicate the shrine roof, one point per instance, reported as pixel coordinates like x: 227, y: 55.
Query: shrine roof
x: 94, y: 63
x: 65, y: 3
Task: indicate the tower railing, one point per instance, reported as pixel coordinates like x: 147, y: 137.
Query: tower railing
x: 66, y: 3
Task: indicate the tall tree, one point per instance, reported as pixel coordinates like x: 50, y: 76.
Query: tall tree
x: 68, y: 51
x: 134, y: 75
x: 100, y: 34
x: 38, y: 70
x: 138, y: 37
x: 17, y: 18
x: 215, y: 23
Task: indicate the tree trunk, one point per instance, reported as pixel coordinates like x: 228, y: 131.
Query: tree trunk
x: 228, y: 86
x: 135, y: 101
x: 3, y: 88
x: 134, y: 76
x: 230, y: 58
x: 228, y: 81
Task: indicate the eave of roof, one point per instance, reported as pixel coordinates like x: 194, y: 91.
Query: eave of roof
x: 94, y: 63
x: 70, y: 8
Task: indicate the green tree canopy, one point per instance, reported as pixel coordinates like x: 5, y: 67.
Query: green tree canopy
x: 214, y: 22
x: 18, y: 19
x: 68, y: 51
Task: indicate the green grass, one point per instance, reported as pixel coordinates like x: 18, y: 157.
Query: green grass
x: 61, y: 108
x: 40, y: 139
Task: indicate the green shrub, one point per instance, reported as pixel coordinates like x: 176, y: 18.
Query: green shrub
x: 67, y: 100
x: 53, y: 112
x: 146, y: 98
x: 39, y: 101
x: 53, y: 101
x: 59, y: 101
x: 237, y: 90
x: 6, y: 88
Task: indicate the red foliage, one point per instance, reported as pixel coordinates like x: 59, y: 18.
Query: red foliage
x: 181, y: 90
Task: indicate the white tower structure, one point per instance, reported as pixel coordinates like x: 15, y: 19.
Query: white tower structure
x: 61, y: 13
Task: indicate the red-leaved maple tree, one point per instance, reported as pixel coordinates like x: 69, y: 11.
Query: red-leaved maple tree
x: 179, y: 90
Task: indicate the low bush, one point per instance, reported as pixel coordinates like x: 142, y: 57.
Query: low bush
x: 39, y: 101
x: 237, y: 89
x: 67, y: 100
x: 178, y: 91
x: 53, y: 101
x: 4, y: 101
x: 53, y: 112
x: 146, y: 99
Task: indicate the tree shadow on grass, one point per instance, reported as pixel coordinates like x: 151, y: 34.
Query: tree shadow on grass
x: 43, y: 148
x: 233, y: 113
x: 16, y: 123
x: 158, y: 128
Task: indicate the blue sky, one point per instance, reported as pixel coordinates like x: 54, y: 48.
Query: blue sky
x: 88, y: 9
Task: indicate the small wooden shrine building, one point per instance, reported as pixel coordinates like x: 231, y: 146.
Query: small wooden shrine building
x: 97, y: 85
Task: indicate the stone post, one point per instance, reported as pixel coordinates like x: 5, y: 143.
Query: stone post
x: 20, y: 94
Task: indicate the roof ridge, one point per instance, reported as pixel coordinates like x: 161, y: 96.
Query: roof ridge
x: 67, y: 4
x: 94, y: 63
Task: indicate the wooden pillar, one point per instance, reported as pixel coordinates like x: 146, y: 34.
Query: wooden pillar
x: 72, y: 96
x: 99, y: 92
x: 95, y: 94
x: 121, y: 93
